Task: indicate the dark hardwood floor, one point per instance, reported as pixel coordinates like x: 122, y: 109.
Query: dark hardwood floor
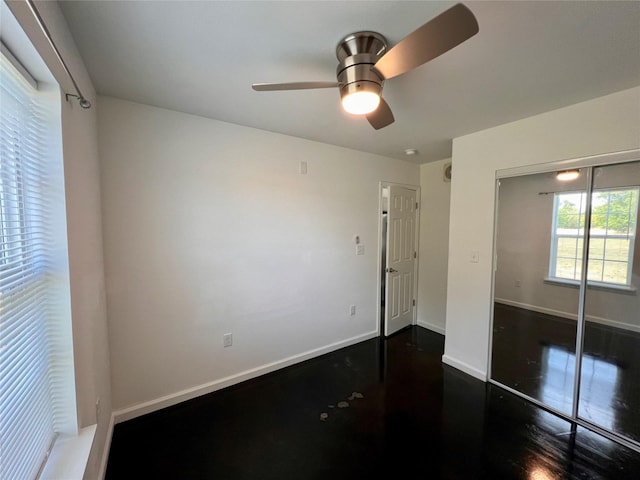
x: 408, y: 416
x: 534, y: 353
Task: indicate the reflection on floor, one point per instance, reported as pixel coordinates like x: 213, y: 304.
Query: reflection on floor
x: 404, y: 415
x: 599, y: 386
x: 535, y: 354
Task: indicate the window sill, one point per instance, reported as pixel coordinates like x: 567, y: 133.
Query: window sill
x: 608, y: 287
x: 69, y: 456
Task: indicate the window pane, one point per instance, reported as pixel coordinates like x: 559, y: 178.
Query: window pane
x: 566, y: 268
x: 613, y: 217
x: 569, y: 221
x: 618, y: 249
x: 619, y: 223
x: 614, y: 211
x: 596, y: 249
x: 615, y: 272
x: 595, y: 270
x: 567, y: 247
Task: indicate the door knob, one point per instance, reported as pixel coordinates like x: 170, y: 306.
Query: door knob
x: 391, y: 270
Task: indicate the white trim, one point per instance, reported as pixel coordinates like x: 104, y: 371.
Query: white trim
x: 107, y: 449
x: 464, y: 367
x: 494, y: 260
x: 590, y: 161
x: 18, y: 66
x: 432, y: 327
x: 379, y: 268
x: 68, y: 458
x: 609, y: 287
x: 143, y: 408
x: 570, y: 316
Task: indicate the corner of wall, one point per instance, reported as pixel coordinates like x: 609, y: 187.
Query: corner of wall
x: 434, y: 246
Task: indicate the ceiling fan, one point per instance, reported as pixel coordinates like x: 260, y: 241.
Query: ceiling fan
x: 365, y: 62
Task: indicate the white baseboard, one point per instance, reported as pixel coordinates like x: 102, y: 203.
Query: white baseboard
x: 107, y: 448
x: 432, y: 327
x: 143, y: 408
x: 464, y: 367
x: 571, y: 316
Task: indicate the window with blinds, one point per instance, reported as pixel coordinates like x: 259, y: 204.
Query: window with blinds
x: 27, y: 419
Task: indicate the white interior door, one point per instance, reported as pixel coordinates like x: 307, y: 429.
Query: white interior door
x: 401, y: 253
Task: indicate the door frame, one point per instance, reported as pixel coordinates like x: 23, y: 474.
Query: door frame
x: 416, y: 188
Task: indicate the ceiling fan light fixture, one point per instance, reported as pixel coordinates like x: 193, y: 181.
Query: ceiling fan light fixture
x: 567, y: 175
x: 361, y: 98
x: 360, y: 103
x: 360, y: 84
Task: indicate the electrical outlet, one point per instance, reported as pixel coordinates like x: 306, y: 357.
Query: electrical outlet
x: 227, y: 339
x: 352, y: 310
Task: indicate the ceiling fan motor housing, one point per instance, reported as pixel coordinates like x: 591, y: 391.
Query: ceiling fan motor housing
x: 357, y: 54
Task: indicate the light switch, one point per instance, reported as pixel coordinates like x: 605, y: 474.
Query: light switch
x: 303, y: 168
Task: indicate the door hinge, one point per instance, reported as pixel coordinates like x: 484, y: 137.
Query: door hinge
x: 414, y: 302
x: 415, y: 254
x: 417, y: 205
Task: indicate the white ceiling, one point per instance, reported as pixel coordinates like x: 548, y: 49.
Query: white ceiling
x: 202, y: 57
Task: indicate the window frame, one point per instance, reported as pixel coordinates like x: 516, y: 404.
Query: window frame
x: 581, y: 234
x: 43, y: 252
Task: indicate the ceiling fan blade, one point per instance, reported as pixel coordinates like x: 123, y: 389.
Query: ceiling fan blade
x: 270, y: 87
x: 432, y: 39
x: 381, y: 116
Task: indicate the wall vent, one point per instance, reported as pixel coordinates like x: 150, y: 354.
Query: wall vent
x: 446, y: 172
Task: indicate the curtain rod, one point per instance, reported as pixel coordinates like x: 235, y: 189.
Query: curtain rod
x: 83, y: 102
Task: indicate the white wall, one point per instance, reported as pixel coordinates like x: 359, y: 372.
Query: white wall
x: 603, y: 125
x: 84, y: 232
x: 434, y: 246
x: 211, y: 229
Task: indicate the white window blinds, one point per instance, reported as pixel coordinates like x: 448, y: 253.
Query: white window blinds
x: 26, y: 412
